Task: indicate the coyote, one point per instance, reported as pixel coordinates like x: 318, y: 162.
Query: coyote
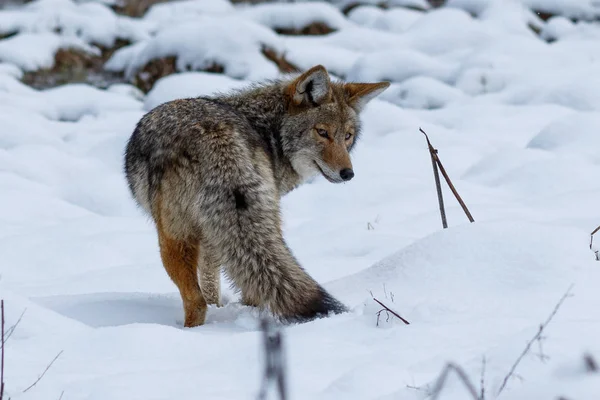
x: 210, y: 171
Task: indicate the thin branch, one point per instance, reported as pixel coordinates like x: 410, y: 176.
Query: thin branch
x: 592, y: 242
x: 592, y: 236
x: 11, y: 330
x: 441, y: 381
x: 534, y: 339
x: 590, y: 363
x: 482, y: 382
x: 44, y: 373
x: 2, y: 350
x: 434, y: 154
x: 386, y: 308
x: 438, y: 185
x: 274, y: 361
x: 61, y: 395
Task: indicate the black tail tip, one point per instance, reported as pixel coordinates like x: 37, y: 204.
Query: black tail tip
x: 321, y: 306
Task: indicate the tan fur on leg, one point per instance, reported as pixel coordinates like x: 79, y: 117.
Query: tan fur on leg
x: 210, y: 276
x: 180, y: 259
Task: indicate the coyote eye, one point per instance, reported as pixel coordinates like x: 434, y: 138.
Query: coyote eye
x: 348, y: 136
x: 322, y: 133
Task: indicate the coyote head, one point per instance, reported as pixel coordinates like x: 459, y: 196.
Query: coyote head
x: 322, y: 124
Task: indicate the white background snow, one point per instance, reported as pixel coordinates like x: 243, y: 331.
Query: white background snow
x: 515, y: 116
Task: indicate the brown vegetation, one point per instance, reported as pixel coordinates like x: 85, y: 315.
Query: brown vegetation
x: 135, y: 8
x: 76, y: 66
x: 316, y: 28
x: 280, y: 60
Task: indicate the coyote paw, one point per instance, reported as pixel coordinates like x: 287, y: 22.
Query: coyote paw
x: 195, y: 315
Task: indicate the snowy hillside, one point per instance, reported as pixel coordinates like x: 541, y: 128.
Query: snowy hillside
x: 508, y: 92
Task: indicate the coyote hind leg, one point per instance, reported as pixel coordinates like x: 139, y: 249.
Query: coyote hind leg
x: 180, y: 259
x: 210, y: 276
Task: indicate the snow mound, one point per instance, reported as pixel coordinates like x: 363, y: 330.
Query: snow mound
x: 576, y: 134
x: 484, y: 260
x: 33, y: 51
x: 189, y: 84
x: 579, y: 9
x: 73, y: 101
x: 295, y: 16
x: 396, y: 20
x: 422, y: 92
x: 68, y: 102
x: 93, y: 23
x: 398, y: 66
x: 232, y: 42
x: 164, y: 14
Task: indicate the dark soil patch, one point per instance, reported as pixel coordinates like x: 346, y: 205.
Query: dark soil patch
x: 161, y: 67
x: 385, y: 6
x: 545, y: 16
x: 280, y: 60
x: 316, y: 28
x: 135, y: 8
x: 76, y: 66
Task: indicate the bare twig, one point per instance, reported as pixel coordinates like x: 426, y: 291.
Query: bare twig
x: 11, y: 330
x: 592, y: 242
x: 274, y: 361
x: 592, y: 236
x: 438, y: 185
x: 543, y: 357
x: 61, y: 395
x: 441, y: 381
x: 386, y: 308
x: 535, y: 338
x: 420, y: 389
x: 590, y: 363
x: 2, y: 350
x: 437, y: 160
x: 482, y: 382
x: 44, y: 373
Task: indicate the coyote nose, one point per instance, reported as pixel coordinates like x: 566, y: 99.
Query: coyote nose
x: 347, y: 174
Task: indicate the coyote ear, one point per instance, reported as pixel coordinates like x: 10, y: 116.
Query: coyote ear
x: 312, y: 87
x: 361, y: 93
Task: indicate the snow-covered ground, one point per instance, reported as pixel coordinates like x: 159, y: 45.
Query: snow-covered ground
x: 516, y: 119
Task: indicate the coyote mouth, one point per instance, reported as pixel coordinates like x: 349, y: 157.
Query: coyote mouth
x: 325, y: 175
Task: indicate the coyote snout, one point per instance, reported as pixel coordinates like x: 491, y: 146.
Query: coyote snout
x: 211, y: 172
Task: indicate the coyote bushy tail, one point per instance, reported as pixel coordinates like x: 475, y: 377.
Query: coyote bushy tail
x: 211, y: 171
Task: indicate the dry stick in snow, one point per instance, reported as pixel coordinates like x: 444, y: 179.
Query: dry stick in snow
x: 441, y: 381
x: 590, y: 363
x: 438, y: 163
x: 536, y: 337
x: 386, y: 308
x: 438, y: 185
x: 2, y: 351
x: 592, y: 242
x: 482, y: 384
x: 44, y: 373
x: 274, y: 361
x: 11, y: 330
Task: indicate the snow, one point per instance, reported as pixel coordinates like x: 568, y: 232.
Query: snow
x: 395, y: 19
x: 579, y: 9
x: 514, y: 118
x: 91, y: 22
x: 295, y: 16
x: 189, y: 84
x: 33, y: 51
x: 232, y: 42
x: 164, y: 14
